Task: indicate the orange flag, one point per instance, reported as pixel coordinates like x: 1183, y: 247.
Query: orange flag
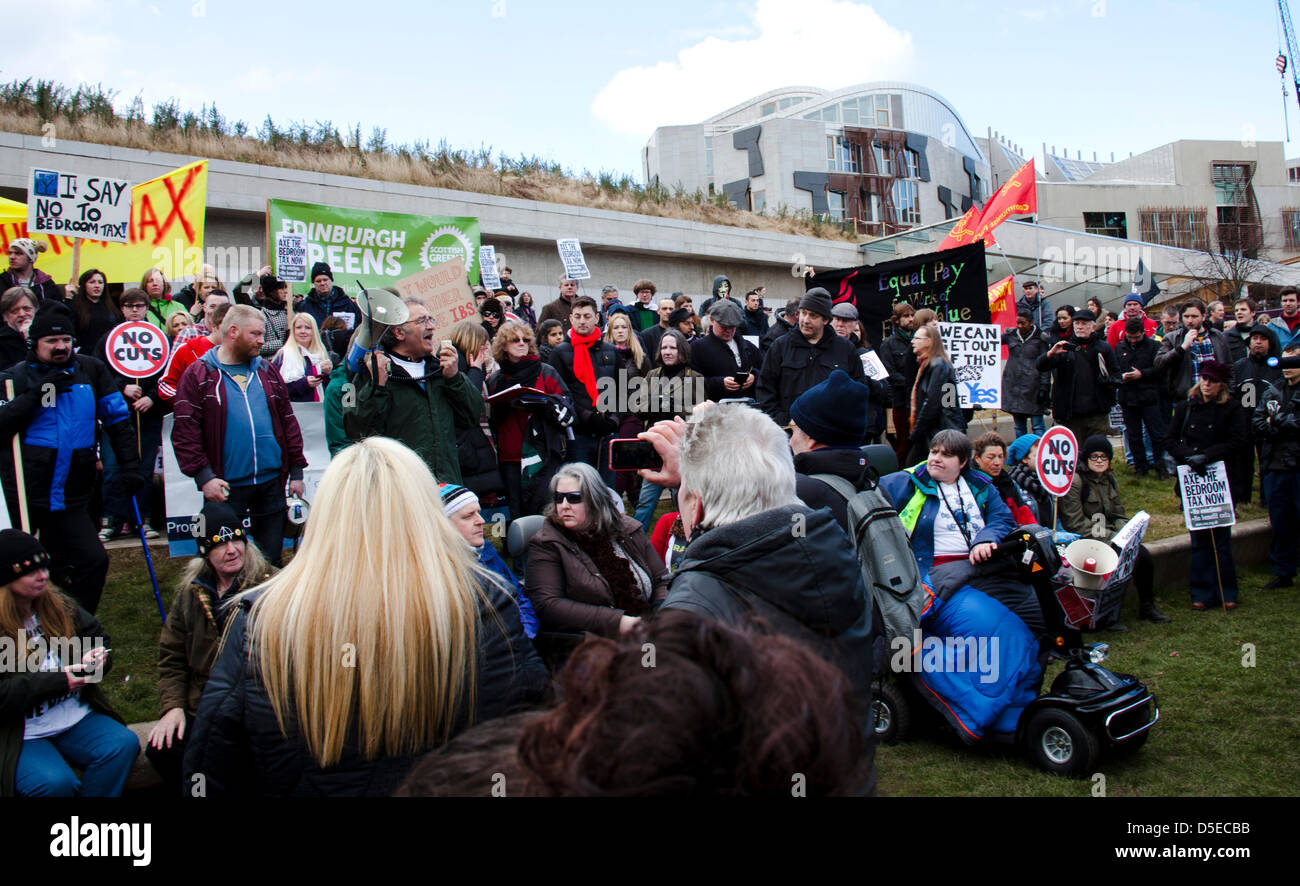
x: 1018, y: 196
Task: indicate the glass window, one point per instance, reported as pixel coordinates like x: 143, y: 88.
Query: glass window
x: 850, y: 110
x: 759, y: 201
x: 1230, y: 184
x: 708, y: 155
x: 907, y: 201
x: 835, y: 202
x: 1109, y: 224
x: 1291, y: 227
x: 884, y: 162
x: 769, y: 108
x: 882, y: 110
x: 911, y: 163
x: 831, y: 114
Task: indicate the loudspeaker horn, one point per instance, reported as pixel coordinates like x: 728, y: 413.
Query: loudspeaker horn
x: 1091, y: 561
x: 382, y: 309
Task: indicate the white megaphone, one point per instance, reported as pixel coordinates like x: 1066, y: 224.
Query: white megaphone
x: 382, y: 309
x: 1091, y: 561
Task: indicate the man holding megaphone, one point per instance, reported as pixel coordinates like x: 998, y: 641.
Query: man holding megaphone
x: 406, y: 391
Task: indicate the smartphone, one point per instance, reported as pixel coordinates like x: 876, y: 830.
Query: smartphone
x: 1071, y: 346
x: 631, y: 454
x: 740, y: 377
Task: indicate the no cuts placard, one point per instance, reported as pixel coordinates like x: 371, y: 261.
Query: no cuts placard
x: 136, y: 349
x: 1058, y: 453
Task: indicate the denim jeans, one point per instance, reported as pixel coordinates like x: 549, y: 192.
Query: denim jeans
x: 1283, y: 519
x: 116, y: 505
x: 103, y: 748
x: 646, y: 504
x: 1023, y: 422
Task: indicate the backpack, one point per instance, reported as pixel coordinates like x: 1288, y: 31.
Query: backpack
x: 889, y: 569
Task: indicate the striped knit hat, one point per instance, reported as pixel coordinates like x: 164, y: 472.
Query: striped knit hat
x: 456, y: 498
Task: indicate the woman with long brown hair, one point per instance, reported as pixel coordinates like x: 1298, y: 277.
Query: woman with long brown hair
x: 53, y: 715
x: 94, y: 311
x: 379, y: 641
x: 935, y: 405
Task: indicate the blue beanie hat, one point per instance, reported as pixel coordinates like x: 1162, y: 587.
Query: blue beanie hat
x: 1020, y: 447
x: 834, y: 413
x: 456, y: 497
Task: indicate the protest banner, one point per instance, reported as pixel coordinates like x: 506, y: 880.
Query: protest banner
x: 444, y: 292
x: 1207, y: 498
x: 375, y: 247
x: 184, y: 501
x: 575, y: 266
x: 952, y: 283
x: 1058, y: 452
x: 291, y: 257
x: 487, y: 259
x: 1127, y: 541
x: 165, y: 232
x: 975, y: 350
x: 91, y: 207
x: 137, y: 349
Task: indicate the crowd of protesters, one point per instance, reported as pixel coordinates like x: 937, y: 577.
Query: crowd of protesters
x: 755, y: 420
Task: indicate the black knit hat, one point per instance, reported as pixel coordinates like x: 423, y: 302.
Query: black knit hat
x: 320, y: 268
x: 220, y: 525
x: 681, y: 315
x: 20, y: 554
x: 1096, y: 443
x: 835, y: 412
x: 817, y: 301
x: 52, y: 318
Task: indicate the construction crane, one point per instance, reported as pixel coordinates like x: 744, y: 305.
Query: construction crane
x: 1291, y: 52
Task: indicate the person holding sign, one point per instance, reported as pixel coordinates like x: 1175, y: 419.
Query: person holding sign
x: 1092, y: 509
x: 55, y: 398
x: 23, y: 272
x: 1207, y: 427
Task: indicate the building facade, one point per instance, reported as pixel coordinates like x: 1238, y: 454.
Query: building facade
x: 888, y: 155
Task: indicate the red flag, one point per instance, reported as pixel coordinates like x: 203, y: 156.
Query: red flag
x: 1002, y: 306
x: 1019, y: 196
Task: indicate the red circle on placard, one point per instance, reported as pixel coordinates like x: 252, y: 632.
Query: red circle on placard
x: 1046, y: 447
x: 144, y: 342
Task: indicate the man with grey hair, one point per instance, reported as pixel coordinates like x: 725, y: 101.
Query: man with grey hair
x: 755, y: 549
x: 610, y: 303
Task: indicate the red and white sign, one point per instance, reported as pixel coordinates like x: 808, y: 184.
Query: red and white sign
x: 137, y: 349
x: 1058, y: 454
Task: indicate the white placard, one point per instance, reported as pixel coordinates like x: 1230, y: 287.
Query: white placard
x: 1058, y: 453
x: 487, y: 260
x: 184, y: 500
x: 873, y: 367
x: 575, y: 266
x: 1207, y: 499
x: 291, y: 257
x: 975, y: 350
x: 136, y: 349
x: 1128, y: 541
x: 71, y: 204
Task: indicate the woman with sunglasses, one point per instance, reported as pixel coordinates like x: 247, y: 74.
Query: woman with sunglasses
x: 531, y: 422
x: 591, y: 567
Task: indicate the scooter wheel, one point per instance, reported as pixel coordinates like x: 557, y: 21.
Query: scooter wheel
x: 1062, y: 745
x: 893, y: 714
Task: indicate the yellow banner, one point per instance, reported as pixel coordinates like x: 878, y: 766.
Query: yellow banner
x: 166, y: 232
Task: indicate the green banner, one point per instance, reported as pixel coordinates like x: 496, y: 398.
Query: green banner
x: 377, y: 248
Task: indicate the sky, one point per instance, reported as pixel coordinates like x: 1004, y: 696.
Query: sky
x: 585, y: 84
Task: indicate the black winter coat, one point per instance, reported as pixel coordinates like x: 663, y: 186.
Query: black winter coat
x: 778, y: 328
x: 13, y: 347
x: 1251, y: 378
x: 604, y: 363
x: 711, y: 358
x: 847, y: 462
x: 896, y: 354
x: 1276, y: 423
x: 1142, y: 391
x: 237, y: 744
x: 1024, y: 386
x: 794, y: 364
x: 1077, y: 378
x: 756, y: 323
x: 932, y: 414
x: 807, y: 586
x: 1214, y: 430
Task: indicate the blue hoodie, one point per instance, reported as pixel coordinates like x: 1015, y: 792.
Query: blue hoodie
x: 491, y: 560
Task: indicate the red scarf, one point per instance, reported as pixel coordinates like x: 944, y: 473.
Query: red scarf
x: 582, y: 368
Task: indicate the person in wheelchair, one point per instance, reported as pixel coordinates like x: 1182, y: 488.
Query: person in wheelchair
x: 955, y: 518
x: 591, y: 567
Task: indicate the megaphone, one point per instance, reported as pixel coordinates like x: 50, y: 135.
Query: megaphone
x: 382, y: 309
x: 1091, y: 561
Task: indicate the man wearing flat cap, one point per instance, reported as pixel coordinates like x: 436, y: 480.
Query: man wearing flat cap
x: 1085, y: 377
x: 723, y: 356
x: 805, y: 356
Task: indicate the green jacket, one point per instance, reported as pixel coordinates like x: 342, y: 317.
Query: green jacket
x: 424, y: 418
x: 1102, y: 497
x: 22, y: 691
x: 335, y: 435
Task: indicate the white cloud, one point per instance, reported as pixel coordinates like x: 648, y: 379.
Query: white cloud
x: 825, y: 43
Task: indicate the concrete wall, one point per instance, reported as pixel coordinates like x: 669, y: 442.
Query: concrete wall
x: 619, y: 247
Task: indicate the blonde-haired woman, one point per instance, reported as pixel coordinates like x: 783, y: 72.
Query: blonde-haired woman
x: 935, y: 405
x: 303, y: 361
x: 632, y: 362
x: 381, y: 639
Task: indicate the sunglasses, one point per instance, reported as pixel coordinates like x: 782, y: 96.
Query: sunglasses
x: 573, y: 498
x: 518, y: 340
